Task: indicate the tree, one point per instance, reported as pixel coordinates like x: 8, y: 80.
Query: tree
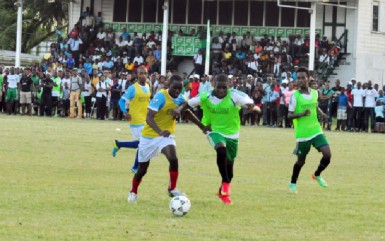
x: 40, y: 20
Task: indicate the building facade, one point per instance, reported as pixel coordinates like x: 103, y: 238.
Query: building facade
x: 364, y: 21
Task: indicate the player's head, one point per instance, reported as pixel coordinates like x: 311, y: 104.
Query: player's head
x: 221, y: 85
x: 176, y: 85
x: 303, y: 76
x: 142, y: 75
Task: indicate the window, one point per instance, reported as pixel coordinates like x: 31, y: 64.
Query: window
x: 179, y: 13
x: 195, y: 11
x: 225, y: 12
x: 149, y: 7
x: 210, y: 12
x: 135, y: 11
x: 303, y: 16
x: 288, y: 15
x: 241, y: 12
x: 272, y: 14
x: 120, y: 11
x: 256, y: 13
x: 375, y: 18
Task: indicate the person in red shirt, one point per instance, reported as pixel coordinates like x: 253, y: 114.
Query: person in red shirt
x: 349, y: 109
x: 195, y: 86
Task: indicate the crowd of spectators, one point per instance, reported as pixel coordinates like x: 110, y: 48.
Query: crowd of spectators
x: 89, y: 69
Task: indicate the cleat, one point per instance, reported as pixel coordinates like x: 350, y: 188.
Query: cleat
x: 293, y: 188
x: 175, y: 193
x: 320, y: 180
x: 134, y: 170
x: 132, y: 197
x: 224, y: 198
x: 115, y: 149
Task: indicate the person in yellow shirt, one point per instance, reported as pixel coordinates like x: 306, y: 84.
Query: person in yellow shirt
x: 138, y: 96
x: 157, y: 135
x: 129, y: 66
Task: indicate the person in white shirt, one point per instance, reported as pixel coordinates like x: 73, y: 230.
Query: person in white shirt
x: 86, y: 93
x: 101, y: 98
x: 139, y: 59
x: 198, y: 62
x: 370, y: 103
x: 358, y: 95
x: 205, y: 85
x: 13, y: 83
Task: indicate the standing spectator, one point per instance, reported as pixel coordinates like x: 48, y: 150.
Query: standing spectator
x: 46, y: 97
x: 325, y: 104
x: 358, y: 106
x: 65, y: 100
x: 56, y: 92
x: 101, y: 98
x: 12, y: 81
x: 87, y: 94
x: 74, y: 44
x: 370, y: 103
x: 349, y: 110
x: 287, y: 96
x: 76, y: 86
x: 116, y: 92
x: 198, y: 63
x: 26, y: 87
x: 342, y: 101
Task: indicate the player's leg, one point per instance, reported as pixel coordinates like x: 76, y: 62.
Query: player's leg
x: 301, y: 150
x: 170, y: 152
x: 322, y: 145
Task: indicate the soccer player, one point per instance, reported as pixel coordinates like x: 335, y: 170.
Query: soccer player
x: 303, y: 108
x: 157, y: 135
x: 138, y: 96
x: 221, y: 118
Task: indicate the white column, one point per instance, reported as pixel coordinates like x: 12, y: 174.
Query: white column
x: 208, y: 39
x: 19, y: 32
x: 313, y: 16
x: 164, y: 39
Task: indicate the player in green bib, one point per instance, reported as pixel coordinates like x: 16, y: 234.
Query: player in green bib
x: 303, y: 109
x: 222, y: 123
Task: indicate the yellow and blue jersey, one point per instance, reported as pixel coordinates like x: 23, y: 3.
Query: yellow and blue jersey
x: 139, y: 97
x: 163, y: 104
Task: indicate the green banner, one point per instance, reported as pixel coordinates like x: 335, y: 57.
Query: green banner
x: 281, y: 32
x: 186, y: 46
x: 262, y: 31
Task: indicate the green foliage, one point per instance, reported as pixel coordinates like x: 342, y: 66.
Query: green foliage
x: 40, y: 19
x: 58, y: 181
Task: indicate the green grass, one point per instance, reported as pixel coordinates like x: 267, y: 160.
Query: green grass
x: 58, y: 181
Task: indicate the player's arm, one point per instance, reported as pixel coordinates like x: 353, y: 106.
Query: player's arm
x: 129, y: 95
x: 191, y: 117
x: 292, y: 106
x: 151, y: 122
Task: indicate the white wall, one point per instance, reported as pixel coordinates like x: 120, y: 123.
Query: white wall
x: 370, y: 46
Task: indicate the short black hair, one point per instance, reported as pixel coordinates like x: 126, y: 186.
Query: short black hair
x: 221, y: 78
x: 305, y: 70
x: 174, y: 78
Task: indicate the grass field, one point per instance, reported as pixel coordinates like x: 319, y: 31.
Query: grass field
x: 58, y: 181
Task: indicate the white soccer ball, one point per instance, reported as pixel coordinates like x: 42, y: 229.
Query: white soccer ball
x: 180, y: 205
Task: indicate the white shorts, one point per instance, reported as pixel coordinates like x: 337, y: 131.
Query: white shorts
x: 341, y: 114
x: 136, y: 131
x: 149, y: 148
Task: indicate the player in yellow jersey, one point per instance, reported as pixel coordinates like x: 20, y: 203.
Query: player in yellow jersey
x: 157, y: 135
x: 138, y: 96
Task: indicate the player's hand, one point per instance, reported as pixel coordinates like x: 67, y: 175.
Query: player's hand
x: 306, y: 112
x: 127, y: 116
x: 175, y: 113
x: 250, y: 106
x: 164, y: 133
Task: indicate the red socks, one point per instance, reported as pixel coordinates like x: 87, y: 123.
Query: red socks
x: 135, y: 185
x: 173, y: 180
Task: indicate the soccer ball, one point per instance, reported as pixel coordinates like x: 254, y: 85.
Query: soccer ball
x: 180, y: 205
